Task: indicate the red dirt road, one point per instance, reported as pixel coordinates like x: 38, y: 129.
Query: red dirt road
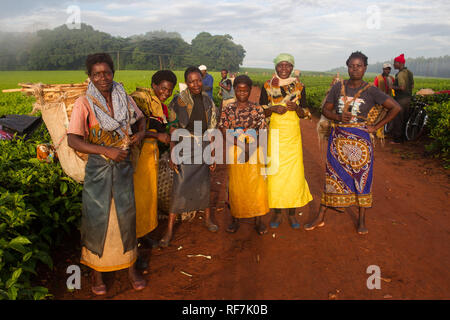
x: 409, y: 239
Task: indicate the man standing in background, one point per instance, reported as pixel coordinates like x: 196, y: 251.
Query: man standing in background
x: 384, y: 81
x: 403, y: 86
x: 226, y: 90
x: 208, y: 81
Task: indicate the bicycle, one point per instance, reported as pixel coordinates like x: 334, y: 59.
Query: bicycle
x: 417, y: 120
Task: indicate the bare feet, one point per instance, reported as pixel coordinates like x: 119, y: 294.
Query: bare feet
x: 316, y: 223
x: 234, y: 226
x: 260, y: 226
x: 362, y: 229
x: 319, y: 221
x: 165, y: 240
x: 209, y: 223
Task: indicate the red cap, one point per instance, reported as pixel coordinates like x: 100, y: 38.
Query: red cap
x: 400, y: 58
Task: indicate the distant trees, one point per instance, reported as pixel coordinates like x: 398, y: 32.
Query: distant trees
x: 66, y: 49
x: 428, y: 67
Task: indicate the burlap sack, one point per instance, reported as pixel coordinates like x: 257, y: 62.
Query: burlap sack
x: 57, y: 122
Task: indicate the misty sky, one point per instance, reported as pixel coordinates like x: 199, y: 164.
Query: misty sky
x: 320, y: 34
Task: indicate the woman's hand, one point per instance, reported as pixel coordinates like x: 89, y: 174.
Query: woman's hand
x: 275, y: 81
x: 371, y: 129
x: 173, y: 166
x: 346, y: 116
x: 291, y: 106
x: 278, y: 109
x: 116, y: 154
x: 137, y: 138
x: 164, y: 138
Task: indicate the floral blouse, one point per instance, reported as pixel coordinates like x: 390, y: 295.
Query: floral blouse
x: 250, y: 117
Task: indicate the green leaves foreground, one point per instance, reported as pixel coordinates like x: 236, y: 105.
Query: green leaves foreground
x: 39, y: 205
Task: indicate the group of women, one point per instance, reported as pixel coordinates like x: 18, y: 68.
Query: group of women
x: 120, y: 197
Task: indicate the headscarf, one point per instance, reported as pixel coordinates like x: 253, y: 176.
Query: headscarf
x: 120, y: 104
x: 400, y: 58
x: 284, y: 57
x: 288, y: 58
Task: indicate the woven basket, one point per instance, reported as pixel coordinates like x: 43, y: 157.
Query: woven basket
x: 165, y: 181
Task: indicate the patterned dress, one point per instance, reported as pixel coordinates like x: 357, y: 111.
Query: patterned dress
x: 349, y: 165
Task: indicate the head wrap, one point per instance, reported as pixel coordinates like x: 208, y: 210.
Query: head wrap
x: 284, y: 57
x: 202, y: 67
x: 400, y: 58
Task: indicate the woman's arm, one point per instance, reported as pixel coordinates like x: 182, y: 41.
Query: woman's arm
x: 393, y: 107
x: 76, y: 142
x: 137, y: 137
x: 329, y: 112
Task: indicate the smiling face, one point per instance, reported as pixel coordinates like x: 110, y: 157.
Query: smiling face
x: 102, y: 77
x: 356, y: 69
x: 242, y: 92
x: 284, y: 69
x: 194, y: 82
x: 163, y: 90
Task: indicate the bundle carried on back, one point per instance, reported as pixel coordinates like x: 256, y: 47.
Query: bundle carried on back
x: 55, y: 101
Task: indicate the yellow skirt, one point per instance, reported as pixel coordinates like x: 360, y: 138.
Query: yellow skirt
x: 146, y: 188
x: 247, y: 185
x: 113, y: 257
x: 287, y: 186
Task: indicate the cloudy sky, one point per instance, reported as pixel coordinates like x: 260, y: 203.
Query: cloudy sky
x: 320, y: 34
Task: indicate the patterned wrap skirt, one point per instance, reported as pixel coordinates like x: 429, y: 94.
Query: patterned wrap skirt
x: 349, y: 167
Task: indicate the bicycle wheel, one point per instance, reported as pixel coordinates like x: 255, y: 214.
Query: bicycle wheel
x: 388, y: 127
x: 415, y: 125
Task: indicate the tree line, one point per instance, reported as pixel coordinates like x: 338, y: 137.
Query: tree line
x: 421, y: 66
x: 66, y: 49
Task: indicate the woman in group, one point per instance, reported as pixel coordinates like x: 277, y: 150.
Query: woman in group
x: 247, y: 181
x: 284, y: 98
x: 100, y: 126
x: 151, y: 102
x: 349, y: 166
x: 191, y: 181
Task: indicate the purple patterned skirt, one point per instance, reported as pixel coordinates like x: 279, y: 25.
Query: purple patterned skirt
x: 349, y: 167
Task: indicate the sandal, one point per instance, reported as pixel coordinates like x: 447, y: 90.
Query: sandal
x: 276, y: 220
x: 309, y: 226
x: 99, y: 290
x: 293, y: 222
x: 138, y: 285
